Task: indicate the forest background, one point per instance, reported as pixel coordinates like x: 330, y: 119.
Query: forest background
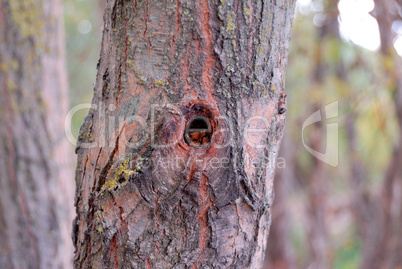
x: 338, y: 185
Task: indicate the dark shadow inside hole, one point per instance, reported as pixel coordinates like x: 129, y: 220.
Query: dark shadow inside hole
x: 198, y: 132
x: 198, y: 123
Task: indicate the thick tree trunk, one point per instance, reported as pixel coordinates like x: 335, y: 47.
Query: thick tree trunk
x: 152, y: 192
x: 36, y: 191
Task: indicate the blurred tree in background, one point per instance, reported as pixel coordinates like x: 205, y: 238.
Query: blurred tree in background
x: 36, y: 176
x: 348, y: 216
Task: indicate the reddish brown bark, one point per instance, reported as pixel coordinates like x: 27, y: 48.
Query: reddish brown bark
x: 221, y: 61
x: 36, y: 191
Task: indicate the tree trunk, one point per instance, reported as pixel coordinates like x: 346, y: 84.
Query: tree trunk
x: 36, y: 190
x: 382, y: 233
x: 317, y: 185
x: 176, y: 158
x: 280, y: 252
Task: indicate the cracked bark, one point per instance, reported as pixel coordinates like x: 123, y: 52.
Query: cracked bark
x: 143, y: 205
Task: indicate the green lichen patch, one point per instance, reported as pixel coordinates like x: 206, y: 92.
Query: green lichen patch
x: 121, y: 172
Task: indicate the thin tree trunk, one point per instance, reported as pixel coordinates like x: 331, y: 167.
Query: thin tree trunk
x: 280, y: 252
x: 203, y: 200
x: 318, y: 185
x: 317, y: 192
x: 380, y: 246
x: 36, y: 190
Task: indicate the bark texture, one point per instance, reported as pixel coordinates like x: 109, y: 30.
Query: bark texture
x: 36, y: 190
x: 146, y: 198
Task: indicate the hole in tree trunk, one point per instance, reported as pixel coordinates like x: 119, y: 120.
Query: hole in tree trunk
x: 198, y: 132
